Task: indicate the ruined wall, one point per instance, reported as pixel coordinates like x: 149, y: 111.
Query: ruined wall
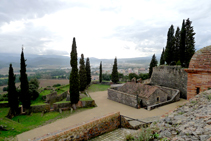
x: 170, y: 76
x: 123, y: 98
x: 40, y: 108
x: 153, y: 98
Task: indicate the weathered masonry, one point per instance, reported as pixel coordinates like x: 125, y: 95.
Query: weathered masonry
x: 139, y: 95
x: 199, y: 72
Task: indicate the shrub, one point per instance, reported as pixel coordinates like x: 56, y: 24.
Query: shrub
x: 129, y: 137
x: 56, y: 85
x: 5, y: 89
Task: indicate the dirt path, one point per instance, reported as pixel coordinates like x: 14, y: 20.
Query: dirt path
x: 105, y: 106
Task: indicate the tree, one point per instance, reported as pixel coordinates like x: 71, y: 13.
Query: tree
x: 177, y: 45
x: 114, y: 74
x: 106, y: 77
x: 182, y: 44
x: 132, y: 75
x: 88, y: 72
x: 100, y: 74
x: 153, y: 63
x: 33, y: 88
x: 144, y: 76
x: 189, y: 42
x: 82, y: 74
x: 12, y: 94
x: 162, y: 60
x: 169, y: 51
x: 74, y: 76
x: 25, y: 97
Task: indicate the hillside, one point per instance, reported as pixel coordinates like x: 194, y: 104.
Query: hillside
x: 191, y: 121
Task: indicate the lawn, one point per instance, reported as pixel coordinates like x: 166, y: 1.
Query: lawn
x: 45, y: 92
x: 28, y: 122
x: 98, y: 87
x: 3, y: 101
x: 62, y: 89
x: 38, y: 100
x: 86, y: 99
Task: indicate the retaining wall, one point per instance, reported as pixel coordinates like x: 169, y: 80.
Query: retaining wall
x: 4, y: 105
x: 61, y: 105
x: 123, y: 98
x: 40, y: 108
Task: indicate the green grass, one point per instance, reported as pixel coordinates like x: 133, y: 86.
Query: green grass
x: 86, y: 99
x: 62, y: 89
x: 45, y: 92
x: 62, y: 102
x: 98, y: 87
x: 34, y: 104
x: 28, y: 122
x: 3, y: 101
x: 38, y: 100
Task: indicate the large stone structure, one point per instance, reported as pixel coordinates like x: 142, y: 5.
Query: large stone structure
x: 199, y: 72
x: 170, y: 76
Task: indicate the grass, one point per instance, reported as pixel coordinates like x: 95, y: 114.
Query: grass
x: 34, y: 104
x: 38, y: 100
x: 3, y: 101
x: 62, y: 89
x: 62, y: 102
x: 98, y: 87
x: 45, y: 92
x: 86, y: 99
x: 28, y: 122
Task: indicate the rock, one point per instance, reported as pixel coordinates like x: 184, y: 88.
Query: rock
x: 204, y: 137
x: 165, y: 133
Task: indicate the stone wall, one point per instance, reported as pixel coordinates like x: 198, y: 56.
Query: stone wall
x: 48, y: 98
x: 4, y: 105
x: 61, y: 96
x: 170, y: 76
x: 123, y: 98
x: 87, y: 130
x: 40, y: 108
x: 56, y: 106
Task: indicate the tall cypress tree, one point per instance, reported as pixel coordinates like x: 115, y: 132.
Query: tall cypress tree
x: 182, y: 44
x: 153, y: 63
x: 82, y: 74
x: 177, y: 45
x: 12, y: 94
x: 74, y: 77
x: 100, y: 74
x: 169, y: 51
x: 162, y: 61
x: 114, y: 74
x: 189, y: 42
x: 25, y: 97
x: 88, y: 72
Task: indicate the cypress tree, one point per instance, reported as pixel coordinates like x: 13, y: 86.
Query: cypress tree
x: 74, y: 77
x: 114, y: 74
x: 169, y: 51
x: 100, y: 74
x: 82, y: 74
x: 12, y: 94
x: 25, y: 97
x: 153, y: 63
x: 162, y: 61
x: 88, y: 72
x: 177, y: 45
x: 189, y: 42
x: 182, y: 44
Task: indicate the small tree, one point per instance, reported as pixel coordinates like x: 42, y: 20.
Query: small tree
x: 25, y: 97
x: 100, y: 74
x: 132, y: 75
x: 12, y: 94
x: 153, y: 63
x: 74, y: 77
x: 88, y: 72
x: 82, y: 74
x: 33, y: 88
x: 114, y: 74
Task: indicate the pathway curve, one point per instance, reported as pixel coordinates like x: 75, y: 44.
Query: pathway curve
x: 105, y: 106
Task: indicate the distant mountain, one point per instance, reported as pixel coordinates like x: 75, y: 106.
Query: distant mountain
x: 34, y: 61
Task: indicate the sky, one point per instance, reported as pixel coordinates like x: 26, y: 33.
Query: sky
x: 104, y: 29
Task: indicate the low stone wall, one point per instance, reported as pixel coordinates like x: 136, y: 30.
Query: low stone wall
x: 61, y: 96
x: 61, y: 105
x: 40, y: 108
x: 175, y: 98
x: 87, y: 130
x: 4, y: 105
x: 82, y: 104
x: 48, y: 98
x: 123, y: 98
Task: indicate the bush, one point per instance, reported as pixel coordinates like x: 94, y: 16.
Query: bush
x: 56, y: 85
x: 5, y: 89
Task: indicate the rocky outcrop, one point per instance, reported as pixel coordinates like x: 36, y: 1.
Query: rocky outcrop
x: 192, y: 121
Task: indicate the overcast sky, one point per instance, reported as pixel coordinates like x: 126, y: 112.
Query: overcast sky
x: 103, y: 28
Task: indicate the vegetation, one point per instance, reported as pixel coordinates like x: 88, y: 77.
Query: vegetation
x: 162, y: 60
x: 88, y: 72
x: 74, y: 77
x: 12, y: 94
x: 98, y: 87
x: 82, y: 74
x: 20, y: 124
x: 100, y: 74
x: 86, y: 99
x: 114, y: 74
x: 33, y: 88
x: 153, y: 63
x: 25, y: 97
